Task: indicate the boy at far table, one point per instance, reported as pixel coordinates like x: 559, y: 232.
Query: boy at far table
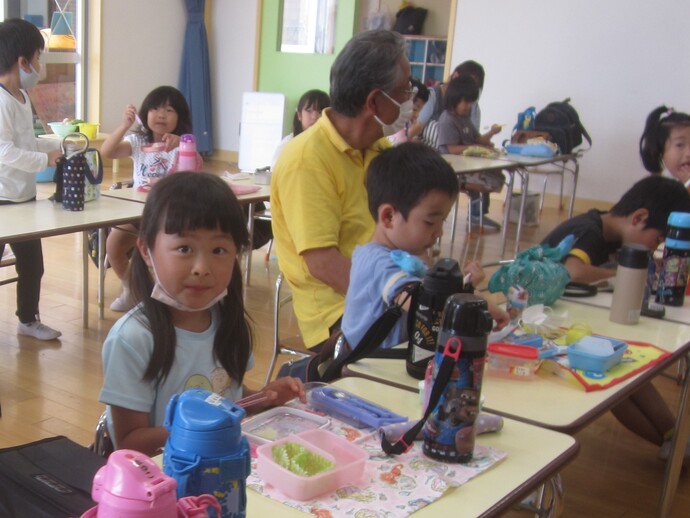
x: 22, y: 155
x: 639, y: 217
x: 411, y: 190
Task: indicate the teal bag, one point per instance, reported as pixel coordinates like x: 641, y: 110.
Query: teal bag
x: 539, y: 270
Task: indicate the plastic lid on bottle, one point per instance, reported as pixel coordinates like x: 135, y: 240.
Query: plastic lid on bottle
x: 634, y: 256
x: 679, y: 228
x: 187, y: 138
x: 443, y: 277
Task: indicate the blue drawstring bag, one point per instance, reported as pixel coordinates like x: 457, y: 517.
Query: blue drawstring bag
x: 539, y: 270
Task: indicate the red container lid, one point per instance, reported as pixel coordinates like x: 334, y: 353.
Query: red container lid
x: 526, y: 352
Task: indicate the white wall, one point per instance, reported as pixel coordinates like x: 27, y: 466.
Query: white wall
x: 616, y: 59
x: 142, y: 49
x: 232, y: 43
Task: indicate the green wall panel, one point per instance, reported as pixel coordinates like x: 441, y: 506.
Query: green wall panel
x: 293, y: 74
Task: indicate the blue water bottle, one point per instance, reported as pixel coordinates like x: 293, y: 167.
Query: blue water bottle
x: 673, y: 276
x: 206, y: 452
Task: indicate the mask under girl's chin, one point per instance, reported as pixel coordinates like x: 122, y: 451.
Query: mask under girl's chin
x: 161, y: 295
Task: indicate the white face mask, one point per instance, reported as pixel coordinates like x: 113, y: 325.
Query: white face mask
x: 160, y: 294
x: 404, y: 116
x: 28, y: 79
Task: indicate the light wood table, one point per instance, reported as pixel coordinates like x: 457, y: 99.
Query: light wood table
x: 463, y: 165
x: 558, y: 404
x: 43, y: 218
x: 534, y: 455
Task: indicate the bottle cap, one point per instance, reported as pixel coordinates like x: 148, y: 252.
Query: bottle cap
x: 678, y: 229
x: 679, y: 219
x: 443, y: 277
x: 187, y: 137
x: 634, y: 256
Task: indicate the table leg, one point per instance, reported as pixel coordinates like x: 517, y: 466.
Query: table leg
x: 575, y: 172
x: 668, y: 490
x: 248, y: 253
x: 454, y: 222
x: 524, y: 175
x: 506, y: 211
x: 116, y: 165
x: 85, y: 279
x: 101, y: 272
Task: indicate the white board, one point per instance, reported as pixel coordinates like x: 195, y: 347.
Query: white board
x: 261, y: 128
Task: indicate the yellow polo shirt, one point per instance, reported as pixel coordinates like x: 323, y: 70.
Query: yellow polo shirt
x: 318, y: 200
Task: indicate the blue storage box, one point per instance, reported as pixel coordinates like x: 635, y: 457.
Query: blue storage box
x: 591, y: 362
x: 46, y: 175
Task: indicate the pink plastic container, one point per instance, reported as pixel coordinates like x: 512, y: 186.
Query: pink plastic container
x: 349, y: 460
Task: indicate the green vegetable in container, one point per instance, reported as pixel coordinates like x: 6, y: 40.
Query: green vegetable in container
x: 299, y: 460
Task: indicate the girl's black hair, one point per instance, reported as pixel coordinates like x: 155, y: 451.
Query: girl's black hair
x: 657, y: 129
x: 160, y: 97
x: 317, y: 99
x: 177, y: 203
x: 461, y: 88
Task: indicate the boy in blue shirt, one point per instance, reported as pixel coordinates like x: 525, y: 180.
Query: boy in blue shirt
x: 411, y: 191
x: 22, y: 155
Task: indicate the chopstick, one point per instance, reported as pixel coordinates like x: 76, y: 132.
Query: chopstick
x: 252, y: 400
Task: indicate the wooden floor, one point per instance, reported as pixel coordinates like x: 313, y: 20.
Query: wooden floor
x: 51, y: 388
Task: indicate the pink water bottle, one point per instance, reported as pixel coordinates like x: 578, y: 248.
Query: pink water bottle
x: 187, y: 156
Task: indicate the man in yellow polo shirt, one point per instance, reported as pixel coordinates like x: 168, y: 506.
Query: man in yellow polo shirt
x: 318, y: 192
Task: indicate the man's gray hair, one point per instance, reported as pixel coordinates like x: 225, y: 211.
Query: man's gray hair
x: 370, y: 60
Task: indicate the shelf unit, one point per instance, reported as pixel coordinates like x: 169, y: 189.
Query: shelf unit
x: 427, y: 56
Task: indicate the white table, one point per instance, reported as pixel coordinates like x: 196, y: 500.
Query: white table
x: 263, y: 194
x: 534, y: 455
x: 557, y: 404
x: 678, y: 314
x: 522, y: 165
x: 43, y: 218
x: 463, y: 165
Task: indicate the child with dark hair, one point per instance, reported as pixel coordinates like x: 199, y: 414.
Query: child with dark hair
x: 421, y: 96
x: 456, y: 133
x: 639, y: 217
x: 308, y: 111
x: 411, y: 190
x: 22, y: 155
x: 154, y: 147
x: 665, y: 144
x: 190, y: 328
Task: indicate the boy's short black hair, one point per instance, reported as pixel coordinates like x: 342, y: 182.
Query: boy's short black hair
x: 461, y: 88
x: 403, y: 175
x: 659, y: 195
x: 18, y: 38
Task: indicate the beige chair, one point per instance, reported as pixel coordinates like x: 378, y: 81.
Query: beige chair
x: 278, y: 347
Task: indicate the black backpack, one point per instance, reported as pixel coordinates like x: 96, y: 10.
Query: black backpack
x: 562, y: 122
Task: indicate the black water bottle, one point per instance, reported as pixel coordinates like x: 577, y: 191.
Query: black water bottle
x: 441, y: 281
x: 449, y: 431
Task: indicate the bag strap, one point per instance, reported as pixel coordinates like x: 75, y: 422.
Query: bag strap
x: 95, y: 180
x: 375, y: 335
x: 445, y: 370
